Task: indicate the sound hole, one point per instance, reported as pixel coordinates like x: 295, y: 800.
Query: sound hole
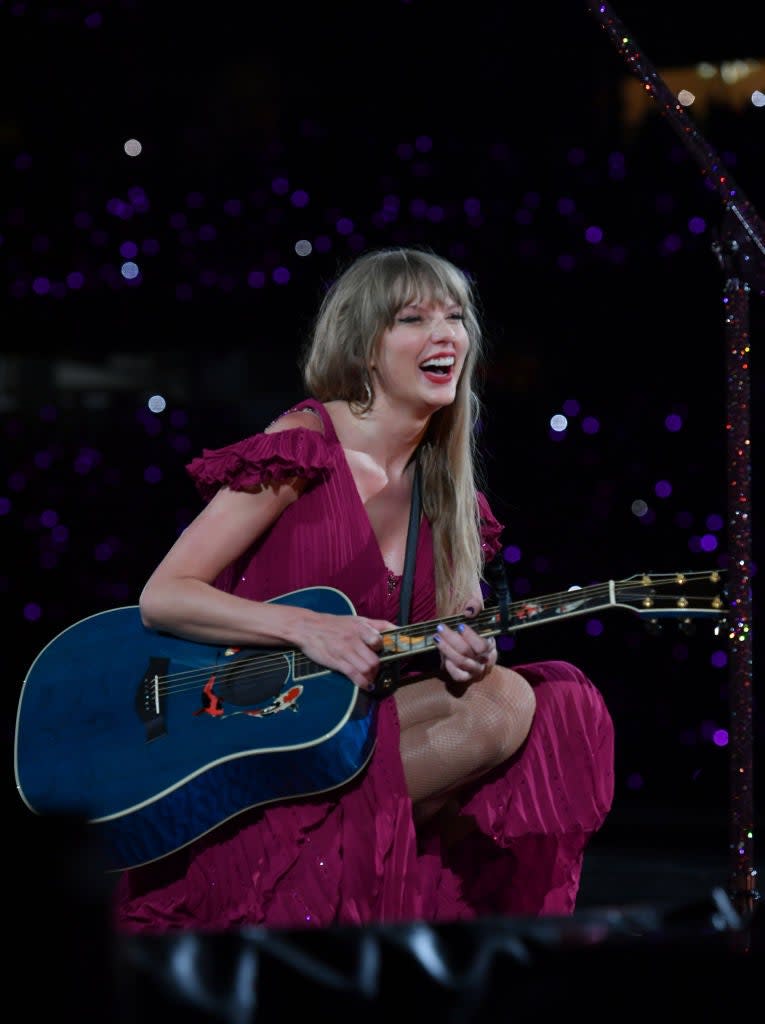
x: 251, y: 681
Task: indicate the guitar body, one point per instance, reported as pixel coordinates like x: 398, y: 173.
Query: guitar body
x: 156, y: 740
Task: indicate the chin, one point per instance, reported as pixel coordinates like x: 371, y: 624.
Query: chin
x: 431, y: 405
x: 443, y: 397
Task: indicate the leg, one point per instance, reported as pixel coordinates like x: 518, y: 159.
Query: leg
x: 536, y: 813
x: 451, y: 738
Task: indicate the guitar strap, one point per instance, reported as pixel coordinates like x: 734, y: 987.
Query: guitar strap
x: 496, y: 573
x: 407, y: 579
x: 391, y: 677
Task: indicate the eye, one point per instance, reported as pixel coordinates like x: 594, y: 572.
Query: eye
x: 411, y: 319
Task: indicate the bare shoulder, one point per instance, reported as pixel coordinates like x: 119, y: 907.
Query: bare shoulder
x: 306, y: 418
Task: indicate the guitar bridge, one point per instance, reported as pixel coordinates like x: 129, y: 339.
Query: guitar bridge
x: 147, y: 702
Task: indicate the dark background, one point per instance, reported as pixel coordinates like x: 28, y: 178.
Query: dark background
x: 496, y: 134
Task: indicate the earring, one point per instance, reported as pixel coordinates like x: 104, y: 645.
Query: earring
x: 367, y: 392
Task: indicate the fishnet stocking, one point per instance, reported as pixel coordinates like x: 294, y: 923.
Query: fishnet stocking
x: 449, y: 739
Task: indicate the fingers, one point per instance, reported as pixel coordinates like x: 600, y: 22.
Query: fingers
x: 358, y: 662
x: 361, y: 662
x: 464, y: 640
x: 370, y: 630
x: 372, y: 638
x: 347, y: 644
x: 465, y: 655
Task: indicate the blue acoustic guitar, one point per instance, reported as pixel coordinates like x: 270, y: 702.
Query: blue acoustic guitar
x: 155, y: 741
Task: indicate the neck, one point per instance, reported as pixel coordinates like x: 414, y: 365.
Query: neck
x: 383, y: 433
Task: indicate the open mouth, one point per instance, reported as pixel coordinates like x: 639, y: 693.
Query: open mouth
x: 439, y: 368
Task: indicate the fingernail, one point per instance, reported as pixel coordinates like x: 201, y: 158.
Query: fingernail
x: 440, y: 627
x: 461, y: 627
x: 470, y: 609
x: 436, y: 638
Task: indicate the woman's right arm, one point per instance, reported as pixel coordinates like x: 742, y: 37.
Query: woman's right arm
x: 180, y: 596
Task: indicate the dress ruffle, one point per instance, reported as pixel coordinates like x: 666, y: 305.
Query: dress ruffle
x: 261, y: 459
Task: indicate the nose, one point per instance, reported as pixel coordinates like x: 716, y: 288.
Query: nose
x: 443, y: 327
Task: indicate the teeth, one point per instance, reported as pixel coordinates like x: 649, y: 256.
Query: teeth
x: 441, y: 361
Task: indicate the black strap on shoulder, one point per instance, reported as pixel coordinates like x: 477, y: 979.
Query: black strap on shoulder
x: 390, y: 679
x: 407, y: 581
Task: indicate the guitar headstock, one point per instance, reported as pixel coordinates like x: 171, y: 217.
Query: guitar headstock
x: 684, y: 596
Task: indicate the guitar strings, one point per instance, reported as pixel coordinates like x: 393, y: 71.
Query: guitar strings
x: 266, y: 663
x: 241, y: 667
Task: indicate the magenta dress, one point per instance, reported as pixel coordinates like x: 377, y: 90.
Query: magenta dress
x: 353, y: 857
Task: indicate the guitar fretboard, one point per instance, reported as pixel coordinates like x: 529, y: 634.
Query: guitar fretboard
x: 663, y: 596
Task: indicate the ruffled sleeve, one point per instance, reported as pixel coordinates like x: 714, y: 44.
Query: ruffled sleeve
x: 491, y: 529
x: 261, y: 459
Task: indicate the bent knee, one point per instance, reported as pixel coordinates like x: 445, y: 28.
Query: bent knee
x: 515, y: 689
x: 515, y: 702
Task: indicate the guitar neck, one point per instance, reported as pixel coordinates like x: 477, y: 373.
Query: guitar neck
x: 420, y: 637
x: 682, y: 596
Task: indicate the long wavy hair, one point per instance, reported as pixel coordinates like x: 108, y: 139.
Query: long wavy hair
x: 356, y: 308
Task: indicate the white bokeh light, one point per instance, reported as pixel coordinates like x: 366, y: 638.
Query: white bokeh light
x: 558, y: 423
x: 639, y: 508
x: 157, y: 403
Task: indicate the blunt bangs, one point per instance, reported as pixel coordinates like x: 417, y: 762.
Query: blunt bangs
x: 407, y: 277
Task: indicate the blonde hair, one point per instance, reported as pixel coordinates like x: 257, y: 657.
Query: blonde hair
x: 355, y: 310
